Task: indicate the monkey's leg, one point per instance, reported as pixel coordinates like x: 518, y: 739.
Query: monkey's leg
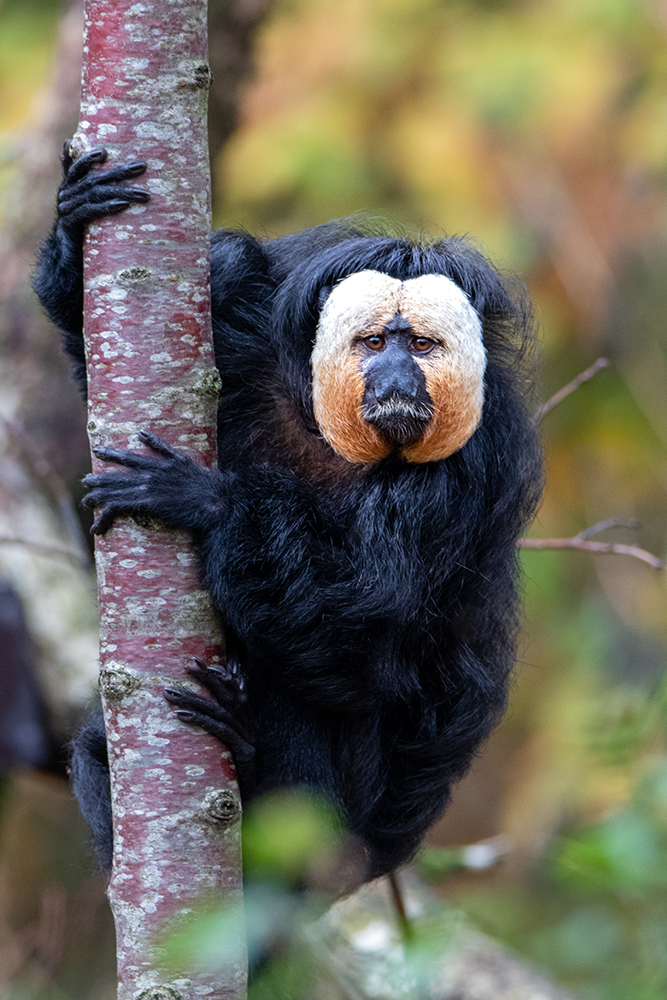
x: 89, y: 774
x: 226, y: 718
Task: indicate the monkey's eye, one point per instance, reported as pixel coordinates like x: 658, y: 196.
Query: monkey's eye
x: 421, y: 345
x: 375, y: 343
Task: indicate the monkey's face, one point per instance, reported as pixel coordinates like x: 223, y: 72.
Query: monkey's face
x: 397, y: 366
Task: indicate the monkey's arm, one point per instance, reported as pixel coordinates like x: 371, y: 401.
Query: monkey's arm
x: 84, y: 196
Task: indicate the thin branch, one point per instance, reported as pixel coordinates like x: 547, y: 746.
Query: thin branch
x: 402, y: 918
x: 563, y: 393
x: 581, y: 541
x: 610, y: 522
x: 47, y: 550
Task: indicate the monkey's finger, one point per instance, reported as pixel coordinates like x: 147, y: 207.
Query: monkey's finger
x: 122, y: 172
x: 99, y: 499
x: 97, y: 184
x: 77, y: 212
x: 190, y: 699
x: 224, y: 687
x: 197, y: 667
x: 242, y: 749
x: 84, y: 215
x: 185, y: 699
x: 221, y: 671
x: 214, y: 726
x: 198, y: 662
x: 75, y: 196
x: 233, y: 669
x: 105, y: 520
x: 85, y: 163
x: 130, y: 459
x: 116, y: 206
x: 106, y: 201
x: 128, y: 498
x: 223, y: 674
x: 110, y: 481
x: 158, y: 444
x: 66, y: 158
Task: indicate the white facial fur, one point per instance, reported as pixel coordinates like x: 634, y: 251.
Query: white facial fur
x: 360, y: 306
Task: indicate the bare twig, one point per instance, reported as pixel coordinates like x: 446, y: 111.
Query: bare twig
x: 563, y: 393
x: 581, y: 541
x: 46, y: 550
x: 404, y: 922
x: 610, y: 522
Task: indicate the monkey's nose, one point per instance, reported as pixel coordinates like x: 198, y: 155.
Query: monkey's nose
x: 392, y: 375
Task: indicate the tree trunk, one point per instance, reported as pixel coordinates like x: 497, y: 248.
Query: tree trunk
x: 150, y: 366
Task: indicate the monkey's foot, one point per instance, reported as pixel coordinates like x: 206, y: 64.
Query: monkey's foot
x: 226, y: 718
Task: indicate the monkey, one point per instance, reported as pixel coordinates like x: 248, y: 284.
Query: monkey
x: 378, y: 460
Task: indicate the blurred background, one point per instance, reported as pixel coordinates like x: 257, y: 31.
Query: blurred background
x: 540, y: 129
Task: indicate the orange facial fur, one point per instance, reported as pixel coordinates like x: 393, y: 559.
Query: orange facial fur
x: 361, y: 305
x: 434, y: 305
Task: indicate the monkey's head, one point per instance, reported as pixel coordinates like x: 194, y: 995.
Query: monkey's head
x: 398, y: 366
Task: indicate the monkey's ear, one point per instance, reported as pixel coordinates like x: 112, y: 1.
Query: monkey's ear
x: 323, y: 295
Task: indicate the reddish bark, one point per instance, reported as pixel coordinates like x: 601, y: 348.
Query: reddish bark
x: 150, y: 365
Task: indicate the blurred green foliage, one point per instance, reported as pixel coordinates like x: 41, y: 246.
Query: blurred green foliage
x: 289, y: 833
x: 26, y: 45
x: 292, y: 840
x: 540, y: 128
x: 595, y: 909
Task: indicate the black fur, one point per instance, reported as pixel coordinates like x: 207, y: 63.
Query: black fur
x: 89, y: 774
x: 373, y: 609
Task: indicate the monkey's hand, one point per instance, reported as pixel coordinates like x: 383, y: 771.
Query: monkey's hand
x: 85, y: 196
x: 226, y: 718
x: 167, y: 486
